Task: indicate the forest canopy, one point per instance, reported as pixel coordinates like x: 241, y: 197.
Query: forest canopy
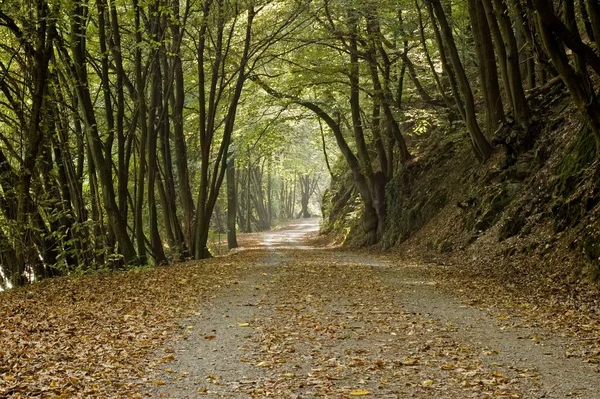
x: 131, y: 131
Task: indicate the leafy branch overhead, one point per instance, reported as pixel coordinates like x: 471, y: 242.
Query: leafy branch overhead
x: 132, y: 132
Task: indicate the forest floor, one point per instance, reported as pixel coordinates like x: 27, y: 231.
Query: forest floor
x: 283, y: 317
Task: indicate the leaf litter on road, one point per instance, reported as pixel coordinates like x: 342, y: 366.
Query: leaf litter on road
x: 312, y: 323
x: 91, y: 336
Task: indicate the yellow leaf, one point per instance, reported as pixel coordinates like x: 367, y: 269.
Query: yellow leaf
x: 360, y: 392
x: 427, y: 383
x: 263, y: 364
x: 243, y: 324
x: 409, y: 361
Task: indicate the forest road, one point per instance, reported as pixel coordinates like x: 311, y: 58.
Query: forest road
x: 301, y: 322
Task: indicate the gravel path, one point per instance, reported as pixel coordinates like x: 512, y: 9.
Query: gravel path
x: 302, y: 322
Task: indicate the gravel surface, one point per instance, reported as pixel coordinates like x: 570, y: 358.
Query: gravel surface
x: 302, y: 322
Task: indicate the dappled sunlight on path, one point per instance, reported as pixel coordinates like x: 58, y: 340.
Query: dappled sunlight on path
x: 292, y: 235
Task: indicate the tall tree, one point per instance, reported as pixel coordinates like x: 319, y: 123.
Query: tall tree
x: 488, y: 74
x: 480, y: 145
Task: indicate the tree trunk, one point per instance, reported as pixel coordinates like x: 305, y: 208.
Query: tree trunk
x: 589, y: 30
x: 434, y: 73
x: 446, y: 66
x: 571, y: 23
x: 585, y: 99
x: 231, y: 204
x: 370, y: 216
x: 181, y: 157
x: 500, y: 48
x: 122, y: 162
x: 594, y: 13
x: 521, y: 110
x: 488, y: 74
x: 154, y: 126
x: 305, y: 192
x: 481, y: 146
x: 34, y: 139
x: 210, y: 187
x: 143, y: 140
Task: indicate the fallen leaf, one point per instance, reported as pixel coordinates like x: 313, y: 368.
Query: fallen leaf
x: 263, y: 364
x: 359, y: 392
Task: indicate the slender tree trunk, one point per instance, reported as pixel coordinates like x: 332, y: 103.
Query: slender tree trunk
x: 487, y: 67
x: 179, y: 243
x: 231, y: 204
x: 34, y: 138
x: 248, y: 204
x: 166, y: 214
x: 207, y: 198
x: 123, y: 165
x: 181, y: 157
x: 105, y: 79
x: 481, y: 146
x: 594, y: 13
x: 585, y: 99
x: 143, y: 140
x: 117, y: 222
x: 269, y: 197
x: 521, y: 110
x: 571, y: 23
x: 155, y: 125
x: 293, y: 197
x: 410, y: 67
x: 446, y: 66
x: 500, y: 48
x: 324, y: 147
x: 383, y: 99
x: 434, y: 73
x: 523, y: 23
x: 589, y: 30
